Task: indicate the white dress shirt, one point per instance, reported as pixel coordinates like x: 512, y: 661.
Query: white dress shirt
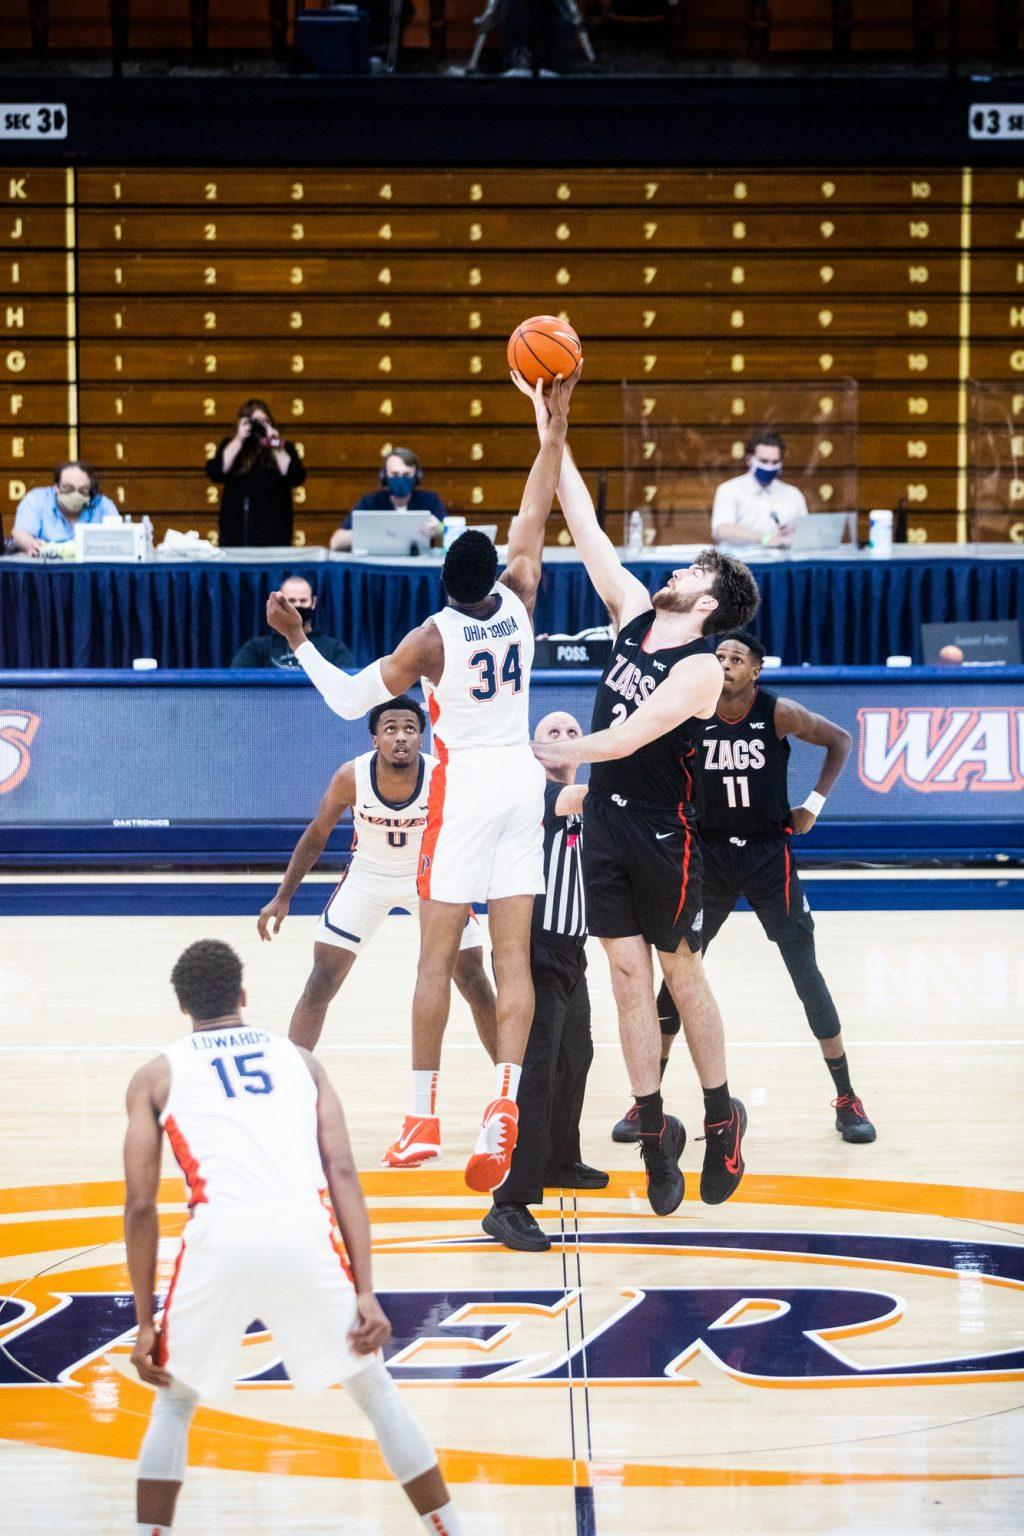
x: 759, y: 509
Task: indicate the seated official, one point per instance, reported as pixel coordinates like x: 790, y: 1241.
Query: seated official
x: 49, y: 514
x: 273, y: 650
x: 758, y: 507
x: 400, y: 474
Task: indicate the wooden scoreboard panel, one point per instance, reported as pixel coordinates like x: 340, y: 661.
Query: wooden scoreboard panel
x: 141, y: 307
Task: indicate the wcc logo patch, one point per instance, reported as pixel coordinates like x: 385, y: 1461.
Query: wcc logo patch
x: 17, y: 729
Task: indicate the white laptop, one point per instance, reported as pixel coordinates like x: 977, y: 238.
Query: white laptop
x: 389, y: 533
x: 819, y: 530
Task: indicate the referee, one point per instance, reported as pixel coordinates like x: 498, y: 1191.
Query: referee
x: 560, y: 1049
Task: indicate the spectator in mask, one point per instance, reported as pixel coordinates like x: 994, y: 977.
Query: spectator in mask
x: 48, y: 514
x: 758, y: 507
x: 273, y: 650
x: 258, y: 469
x: 400, y: 474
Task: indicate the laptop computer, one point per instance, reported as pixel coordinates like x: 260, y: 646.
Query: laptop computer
x: 818, y: 531
x: 389, y: 533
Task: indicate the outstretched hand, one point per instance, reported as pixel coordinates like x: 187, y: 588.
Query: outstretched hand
x: 285, y: 619
x: 549, y: 400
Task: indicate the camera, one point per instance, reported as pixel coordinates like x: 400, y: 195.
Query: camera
x: 257, y: 426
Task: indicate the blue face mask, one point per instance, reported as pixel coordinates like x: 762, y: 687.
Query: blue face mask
x: 765, y: 476
x: 401, y: 485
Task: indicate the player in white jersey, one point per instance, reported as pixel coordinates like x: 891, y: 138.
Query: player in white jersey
x: 387, y: 790
x: 484, y: 836
x: 277, y: 1230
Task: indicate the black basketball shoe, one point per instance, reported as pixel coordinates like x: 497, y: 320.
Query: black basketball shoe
x: 851, y: 1119
x: 723, y: 1160
x: 661, y: 1154
x: 628, y: 1128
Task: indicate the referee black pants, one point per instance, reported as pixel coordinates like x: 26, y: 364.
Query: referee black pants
x: 554, y: 1080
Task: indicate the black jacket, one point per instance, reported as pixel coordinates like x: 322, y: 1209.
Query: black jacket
x: 273, y: 650
x: 256, y: 508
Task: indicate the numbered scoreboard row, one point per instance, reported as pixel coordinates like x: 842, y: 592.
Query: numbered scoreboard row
x: 24, y: 272
x: 539, y: 187
x: 596, y: 448
x: 744, y: 404
x: 390, y: 323
x: 507, y: 229
x: 334, y: 494
x: 271, y: 365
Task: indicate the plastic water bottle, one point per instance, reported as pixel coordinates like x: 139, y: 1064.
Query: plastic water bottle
x: 880, y: 532
x: 148, y: 531
x: 635, y: 535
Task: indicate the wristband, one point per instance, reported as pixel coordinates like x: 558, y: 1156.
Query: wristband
x: 814, y: 803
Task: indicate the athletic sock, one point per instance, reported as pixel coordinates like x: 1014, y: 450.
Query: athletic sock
x: 443, y: 1521
x: 651, y: 1113
x: 716, y: 1105
x: 840, y: 1075
x: 506, y: 1080
x: 424, y: 1093
x: 661, y: 1068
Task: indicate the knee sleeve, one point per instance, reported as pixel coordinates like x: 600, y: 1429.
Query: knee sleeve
x: 668, y: 1013
x: 403, y: 1444
x: 811, y: 988
x: 164, y: 1450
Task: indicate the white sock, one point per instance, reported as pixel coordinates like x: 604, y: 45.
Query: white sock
x: 443, y: 1521
x: 424, y: 1093
x: 506, y: 1082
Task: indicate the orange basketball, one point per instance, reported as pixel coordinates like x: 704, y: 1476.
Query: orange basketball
x: 543, y: 347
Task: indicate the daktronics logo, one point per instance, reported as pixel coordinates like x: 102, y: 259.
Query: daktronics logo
x: 17, y: 729
x: 933, y: 749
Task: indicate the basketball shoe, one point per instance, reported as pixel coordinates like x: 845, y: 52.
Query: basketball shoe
x: 628, y: 1128
x: 851, y: 1119
x: 492, y: 1156
x: 723, y: 1160
x: 420, y: 1142
x: 661, y: 1154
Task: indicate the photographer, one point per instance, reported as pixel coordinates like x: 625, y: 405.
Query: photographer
x: 257, y: 469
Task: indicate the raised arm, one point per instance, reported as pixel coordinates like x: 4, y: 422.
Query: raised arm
x: 526, y: 532
x: 622, y: 594
x: 141, y: 1227
x: 691, y: 688
x: 349, y: 1208
x: 792, y: 719
x: 341, y: 794
x: 420, y: 654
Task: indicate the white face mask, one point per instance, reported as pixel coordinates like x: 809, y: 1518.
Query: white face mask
x: 72, y: 501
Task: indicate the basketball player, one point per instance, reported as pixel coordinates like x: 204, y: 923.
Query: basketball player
x: 260, y: 1137
x: 746, y: 827
x: 387, y: 791
x: 641, y: 858
x: 483, y: 840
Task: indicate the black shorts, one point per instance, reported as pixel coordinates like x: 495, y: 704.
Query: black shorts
x: 641, y: 874
x: 765, y: 872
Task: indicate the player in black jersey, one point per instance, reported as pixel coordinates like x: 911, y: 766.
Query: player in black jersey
x: 746, y: 829
x: 641, y: 858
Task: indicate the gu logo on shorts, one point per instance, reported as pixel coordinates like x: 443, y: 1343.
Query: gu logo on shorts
x: 933, y: 749
x: 17, y: 729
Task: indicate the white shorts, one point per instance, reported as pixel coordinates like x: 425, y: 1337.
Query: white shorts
x: 484, y: 837
x: 286, y: 1271
x: 362, y: 900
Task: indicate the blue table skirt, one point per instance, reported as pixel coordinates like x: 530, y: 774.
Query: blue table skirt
x: 827, y: 613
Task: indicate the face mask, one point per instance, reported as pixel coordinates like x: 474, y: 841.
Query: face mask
x: 765, y: 476
x: 72, y: 501
x: 401, y: 485
x: 307, y: 613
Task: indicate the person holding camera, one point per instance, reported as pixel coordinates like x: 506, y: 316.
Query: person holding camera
x: 258, y: 469
x: 400, y: 474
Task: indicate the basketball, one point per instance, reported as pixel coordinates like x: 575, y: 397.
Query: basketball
x: 543, y: 347
x: 951, y: 655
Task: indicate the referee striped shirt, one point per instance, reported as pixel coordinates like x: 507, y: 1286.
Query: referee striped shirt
x: 561, y: 912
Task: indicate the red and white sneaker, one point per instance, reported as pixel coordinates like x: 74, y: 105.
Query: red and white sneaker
x: 492, y: 1156
x: 420, y: 1142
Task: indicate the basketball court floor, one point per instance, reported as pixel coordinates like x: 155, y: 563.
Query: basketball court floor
x: 839, y: 1348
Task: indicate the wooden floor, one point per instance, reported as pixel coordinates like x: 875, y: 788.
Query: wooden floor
x: 728, y: 1368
